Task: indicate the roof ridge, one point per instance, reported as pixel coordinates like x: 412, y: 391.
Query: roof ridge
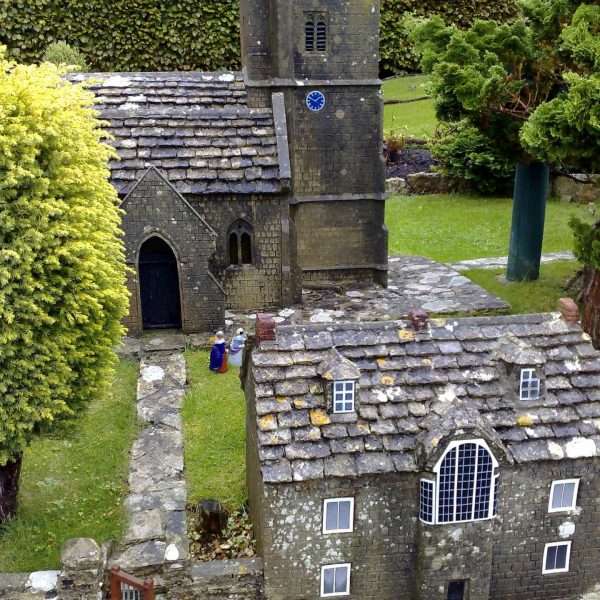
x: 533, y: 318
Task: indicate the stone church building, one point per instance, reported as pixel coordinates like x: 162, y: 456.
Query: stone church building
x: 459, y: 461
x: 239, y: 188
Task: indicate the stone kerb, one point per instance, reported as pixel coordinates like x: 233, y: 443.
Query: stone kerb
x: 155, y: 544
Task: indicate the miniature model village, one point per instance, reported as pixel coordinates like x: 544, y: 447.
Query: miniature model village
x: 390, y: 453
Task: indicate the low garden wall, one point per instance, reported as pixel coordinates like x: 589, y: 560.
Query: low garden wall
x: 156, y: 544
x: 576, y: 189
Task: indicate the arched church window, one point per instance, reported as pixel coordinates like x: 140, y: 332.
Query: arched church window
x: 240, y: 243
x: 466, y: 487
x: 321, y: 35
x: 309, y: 35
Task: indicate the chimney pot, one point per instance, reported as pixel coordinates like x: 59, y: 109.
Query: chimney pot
x: 419, y: 318
x: 569, y: 310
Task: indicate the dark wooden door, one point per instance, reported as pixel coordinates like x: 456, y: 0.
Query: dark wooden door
x: 159, y: 285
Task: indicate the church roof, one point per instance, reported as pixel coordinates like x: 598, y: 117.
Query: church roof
x: 408, y: 379
x: 195, y: 128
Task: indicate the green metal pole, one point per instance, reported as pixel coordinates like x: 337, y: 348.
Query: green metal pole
x: 527, y: 231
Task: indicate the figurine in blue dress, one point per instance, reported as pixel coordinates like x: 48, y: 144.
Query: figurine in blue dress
x: 236, y: 349
x: 218, y: 355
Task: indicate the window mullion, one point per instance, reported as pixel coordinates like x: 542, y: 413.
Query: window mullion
x: 475, y: 482
x: 455, y: 483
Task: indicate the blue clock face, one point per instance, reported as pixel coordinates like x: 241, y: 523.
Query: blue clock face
x: 315, y: 101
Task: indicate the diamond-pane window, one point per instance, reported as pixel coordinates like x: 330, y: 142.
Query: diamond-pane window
x: 343, y: 396
x: 530, y: 385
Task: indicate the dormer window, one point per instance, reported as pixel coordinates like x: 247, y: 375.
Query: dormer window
x: 529, y: 388
x: 343, y: 396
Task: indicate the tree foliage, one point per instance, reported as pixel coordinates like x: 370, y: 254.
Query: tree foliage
x: 530, y: 87
x: 191, y: 34
x: 62, y: 271
x: 61, y: 54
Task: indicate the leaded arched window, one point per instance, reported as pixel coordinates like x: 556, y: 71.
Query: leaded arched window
x: 240, y: 243
x: 466, y: 486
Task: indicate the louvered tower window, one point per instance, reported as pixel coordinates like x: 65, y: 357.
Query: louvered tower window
x: 309, y: 35
x: 321, y: 35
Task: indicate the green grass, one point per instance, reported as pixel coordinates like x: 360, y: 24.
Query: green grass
x: 416, y: 119
x: 214, y: 432
x: 530, y: 297
x: 74, y: 485
x: 403, y: 88
x: 457, y: 227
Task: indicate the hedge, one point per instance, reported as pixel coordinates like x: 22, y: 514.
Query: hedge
x: 144, y: 35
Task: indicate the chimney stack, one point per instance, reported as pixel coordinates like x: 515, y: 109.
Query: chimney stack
x: 265, y: 328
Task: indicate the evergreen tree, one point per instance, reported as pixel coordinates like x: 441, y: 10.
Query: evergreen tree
x: 529, y: 90
x: 62, y: 270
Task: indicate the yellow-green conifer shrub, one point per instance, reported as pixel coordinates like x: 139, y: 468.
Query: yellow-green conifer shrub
x: 62, y: 268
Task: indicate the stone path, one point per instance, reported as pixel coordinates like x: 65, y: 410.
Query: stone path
x: 156, y: 543
x: 502, y: 261
x: 414, y: 282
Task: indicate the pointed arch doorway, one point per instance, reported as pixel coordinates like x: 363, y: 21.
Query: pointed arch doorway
x: 159, y: 285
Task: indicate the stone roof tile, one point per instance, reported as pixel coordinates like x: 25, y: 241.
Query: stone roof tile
x: 408, y: 382
x: 156, y: 117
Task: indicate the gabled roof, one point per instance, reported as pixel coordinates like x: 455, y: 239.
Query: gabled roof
x: 405, y: 375
x: 196, y: 128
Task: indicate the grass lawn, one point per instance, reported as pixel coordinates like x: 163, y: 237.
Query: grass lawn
x: 214, y: 433
x: 74, y: 485
x: 532, y: 297
x: 415, y: 119
x: 456, y: 227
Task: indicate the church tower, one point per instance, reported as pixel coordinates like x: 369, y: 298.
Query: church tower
x: 319, y: 58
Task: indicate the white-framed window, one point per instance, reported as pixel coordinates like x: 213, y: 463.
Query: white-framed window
x: 530, y: 385
x: 335, y: 580
x: 563, y: 495
x: 338, y: 515
x: 466, y: 486
x: 556, y: 557
x: 343, y: 396
x: 427, y: 501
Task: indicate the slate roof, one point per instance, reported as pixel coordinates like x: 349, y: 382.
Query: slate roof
x: 196, y: 128
x: 413, y: 385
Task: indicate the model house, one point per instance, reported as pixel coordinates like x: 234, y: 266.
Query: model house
x: 455, y: 460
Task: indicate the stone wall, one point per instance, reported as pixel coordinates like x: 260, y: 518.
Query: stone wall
x: 342, y: 241
x: 567, y: 189
x: 337, y: 150
x: 153, y: 207
x: 394, y: 555
x: 240, y: 579
x: 264, y: 283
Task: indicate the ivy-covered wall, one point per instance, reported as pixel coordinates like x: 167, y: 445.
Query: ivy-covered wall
x: 145, y: 35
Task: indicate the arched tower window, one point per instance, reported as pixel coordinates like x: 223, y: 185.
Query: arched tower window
x: 309, y: 34
x: 321, y: 35
x: 466, y: 487
x: 240, y: 243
